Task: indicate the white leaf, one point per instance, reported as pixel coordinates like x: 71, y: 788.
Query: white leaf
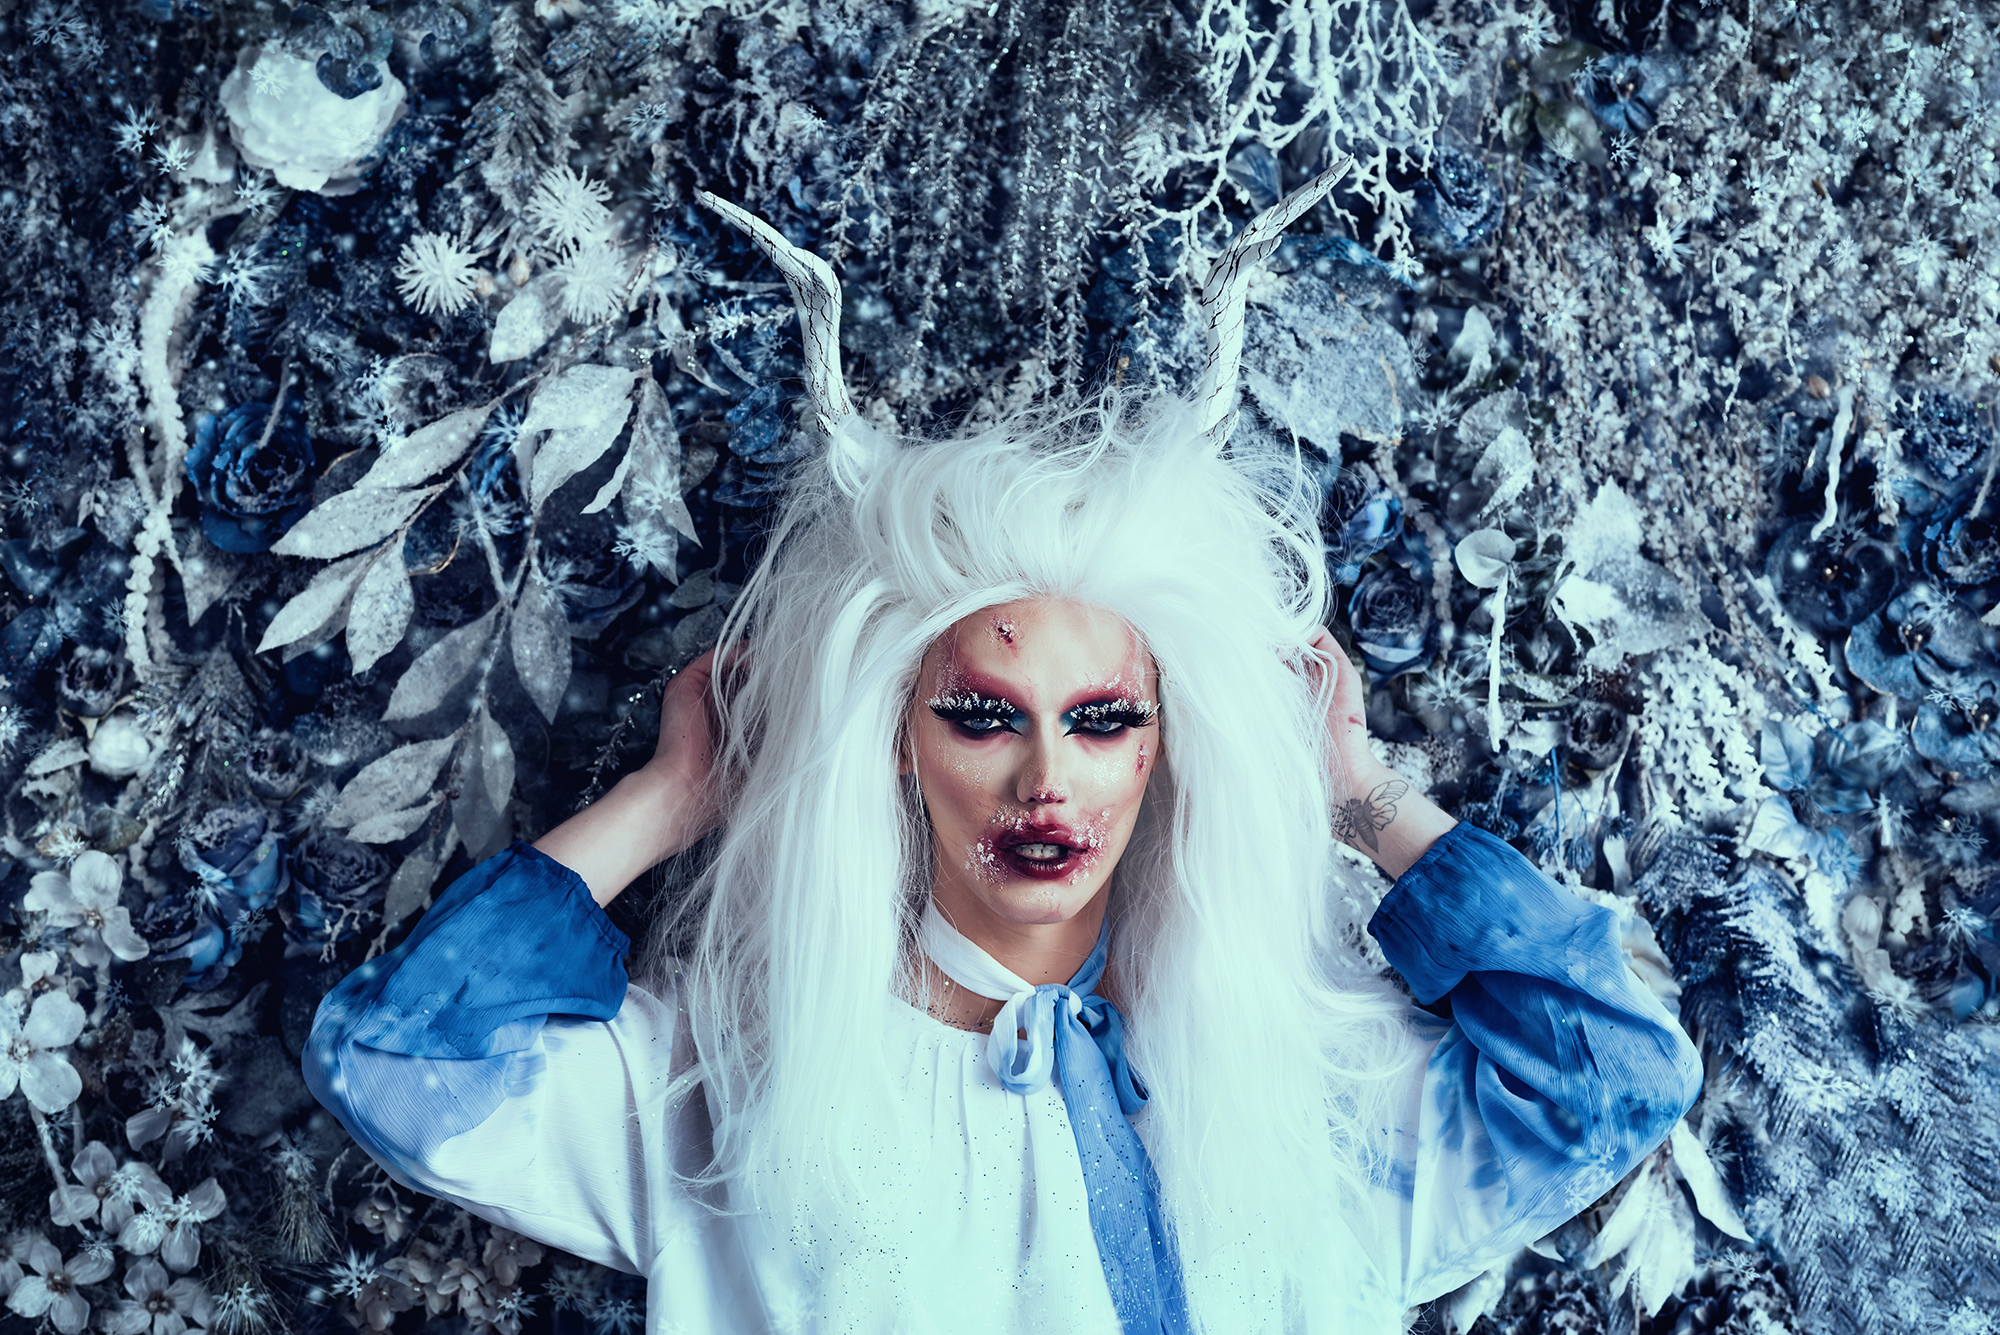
x: 1665, y: 1255
x: 583, y: 410
x: 319, y: 603
x: 360, y: 517
x: 382, y: 607
x: 428, y: 451
x: 1484, y: 556
x: 1631, y: 1213
x: 1691, y: 1161
x: 609, y: 491
x: 396, y: 780
x: 541, y: 645
x: 61, y: 755
x: 525, y: 323
x: 479, y: 812
x: 426, y: 682
x: 389, y: 826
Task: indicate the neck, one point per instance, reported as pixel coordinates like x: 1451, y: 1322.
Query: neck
x: 1041, y: 952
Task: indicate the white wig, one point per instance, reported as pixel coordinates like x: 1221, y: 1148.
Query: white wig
x: 1263, y: 1038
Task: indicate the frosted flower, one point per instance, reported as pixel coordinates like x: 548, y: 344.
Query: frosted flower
x: 108, y: 1192
x: 52, y: 1290
x: 594, y: 282
x: 306, y: 135
x: 86, y: 901
x: 174, y: 1230
x: 158, y: 1306
x: 121, y: 748
x: 28, y: 1056
x: 436, y: 276
x: 568, y: 208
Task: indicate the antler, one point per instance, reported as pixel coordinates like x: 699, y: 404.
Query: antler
x: 1226, y: 290
x: 816, y: 293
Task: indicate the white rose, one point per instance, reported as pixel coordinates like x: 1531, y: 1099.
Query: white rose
x: 120, y: 748
x: 288, y: 122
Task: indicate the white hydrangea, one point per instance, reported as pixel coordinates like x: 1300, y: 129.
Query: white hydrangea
x: 292, y: 125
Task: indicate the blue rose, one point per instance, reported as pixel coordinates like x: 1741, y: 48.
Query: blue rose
x: 1958, y: 547
x: 1624, y: 91
x: 237, y: 849
x: 1362, y: 517
x: 1956, y: 728
x: 339, y: 886
x: 252, y: 486
x: 1393, y: 623
x: 1919, y: 643
x: 1944, y: 432
x: 1829, y: 585
x: 1459, y: 203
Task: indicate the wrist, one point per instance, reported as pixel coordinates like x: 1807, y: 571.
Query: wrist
x: 656, y: 796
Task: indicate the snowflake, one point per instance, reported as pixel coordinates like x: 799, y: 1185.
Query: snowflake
x: 350, y: 1276
x: 151, y: 220
x: 1624, y: 150
x: 649, y: 121
x: 111, y: 350
x: 594, y: 282
x: 615, y: 1316
x: 1854, y: 125
x: 1845, y: 254
x: 182, y: 260
x: 648, y: 18
x: 1667, y: 243
x: 568, y: 209
x: 436, y: 276
x: 174, y: 157
x: 1926, y: 254
x: 648, y: 545
x: 241, y: 1309
x: 131, y: 132
x: 246, y: 279
x: 1961, y: 924
x: 268, y: 79
x: 259, y: 195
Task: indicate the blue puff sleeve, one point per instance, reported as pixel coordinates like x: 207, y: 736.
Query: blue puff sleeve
x: 499, y: 1059
x: 1559, y: 1070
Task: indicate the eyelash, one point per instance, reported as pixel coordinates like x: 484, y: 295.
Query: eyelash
x: 1119, y: 715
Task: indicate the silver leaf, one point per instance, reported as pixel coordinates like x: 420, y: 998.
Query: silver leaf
x: 428, y: 451
x: 60, y: 755
x: 382, y: 607
x: 207, y: 574
x: 389, y: 826
x: 426, y: 682
x: 496, y: 761
x: 541, y: 645
x: 525, y: 323
x: 357, y: 518
x: 399, y: 779
x: 583, y: 410
x: 319, y: 603
x: 410, y: 888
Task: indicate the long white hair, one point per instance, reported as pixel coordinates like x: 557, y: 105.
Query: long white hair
x: 1263, y: 1040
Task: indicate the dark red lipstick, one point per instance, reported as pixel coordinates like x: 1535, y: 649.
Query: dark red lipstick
x: 1046, y: 853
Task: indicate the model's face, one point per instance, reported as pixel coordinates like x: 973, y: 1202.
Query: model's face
x: 1033, y: 733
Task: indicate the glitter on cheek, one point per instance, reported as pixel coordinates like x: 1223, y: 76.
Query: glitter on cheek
x: 1140, y: 768
x: 983, y: 860
x: 1004, y: 629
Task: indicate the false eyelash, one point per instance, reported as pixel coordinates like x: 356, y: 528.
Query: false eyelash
x: 969, y: 709
x: 1129, y: 713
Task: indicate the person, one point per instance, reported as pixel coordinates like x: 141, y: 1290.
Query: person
x: 1025, y: 988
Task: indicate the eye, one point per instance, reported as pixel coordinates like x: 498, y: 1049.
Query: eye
x: 1111, y: 718
x: 976, y: 717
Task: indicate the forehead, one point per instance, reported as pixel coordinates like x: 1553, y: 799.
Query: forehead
x: 1041, y: 651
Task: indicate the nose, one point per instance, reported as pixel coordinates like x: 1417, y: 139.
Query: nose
x: 1039, y: 783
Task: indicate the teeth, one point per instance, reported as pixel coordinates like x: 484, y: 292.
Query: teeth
x: 1041, y: 852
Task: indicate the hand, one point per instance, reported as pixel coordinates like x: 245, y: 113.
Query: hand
x: 1355, y: 764
x: 684, y: 758
x: 1374, y: 808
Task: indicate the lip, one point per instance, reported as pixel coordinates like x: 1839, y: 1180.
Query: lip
x: 1078, y: 852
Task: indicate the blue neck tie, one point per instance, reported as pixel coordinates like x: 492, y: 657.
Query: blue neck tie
x: 1077, y: 1038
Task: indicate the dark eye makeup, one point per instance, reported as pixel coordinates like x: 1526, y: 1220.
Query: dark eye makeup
x: 982, y: 716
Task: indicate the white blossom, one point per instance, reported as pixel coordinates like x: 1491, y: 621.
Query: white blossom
x: 29, y: 1059
x: 52, y: 1290
x: 436, y: 275
x: 86, y: 902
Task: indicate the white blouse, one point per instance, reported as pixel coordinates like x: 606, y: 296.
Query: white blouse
x: 500, y: 1059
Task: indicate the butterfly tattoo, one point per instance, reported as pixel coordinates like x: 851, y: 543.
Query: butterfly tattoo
x: 1359, y: 819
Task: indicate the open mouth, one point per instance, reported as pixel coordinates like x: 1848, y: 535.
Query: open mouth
x: 1043, y: 854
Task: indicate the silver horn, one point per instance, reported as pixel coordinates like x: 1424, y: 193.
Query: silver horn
x: 816, y: 293
x: 1226, y: 290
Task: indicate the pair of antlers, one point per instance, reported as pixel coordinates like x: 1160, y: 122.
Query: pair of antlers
x: 1224, y: 293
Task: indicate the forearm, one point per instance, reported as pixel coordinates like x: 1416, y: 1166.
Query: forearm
x: 1389, y: 820
x: 646, y: 817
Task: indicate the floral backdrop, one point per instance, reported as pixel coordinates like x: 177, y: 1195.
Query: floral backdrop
x: 384, y: 418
